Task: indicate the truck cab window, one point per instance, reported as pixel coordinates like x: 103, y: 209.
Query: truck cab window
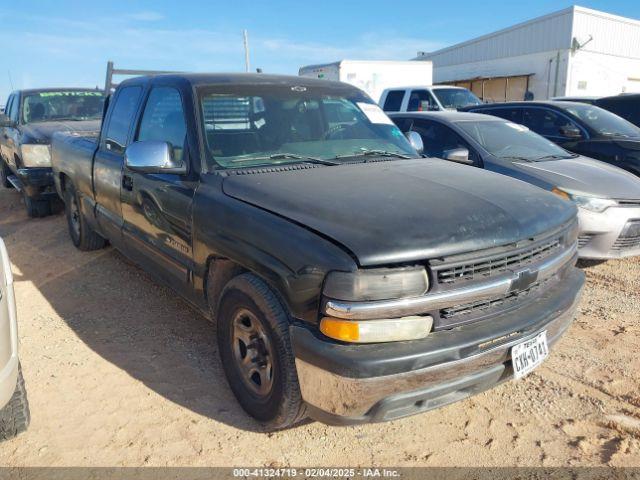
x: 122, y: 116
x: 393, y: 102
x: 163, y: 119
x: 421, y: 101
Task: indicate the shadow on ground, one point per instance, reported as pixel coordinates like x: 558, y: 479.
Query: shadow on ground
x: 122, y: 314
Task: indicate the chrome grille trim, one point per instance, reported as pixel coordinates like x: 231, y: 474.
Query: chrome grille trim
x: 477, y: 291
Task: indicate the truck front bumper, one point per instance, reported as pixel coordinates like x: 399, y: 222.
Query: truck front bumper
x: 36, y: 182
x: 348, y: 384
x: 609, y: 234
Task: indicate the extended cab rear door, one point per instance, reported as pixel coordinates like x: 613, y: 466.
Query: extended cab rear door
x: 109, y: 160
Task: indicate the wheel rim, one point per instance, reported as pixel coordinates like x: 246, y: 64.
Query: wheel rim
x: 253, y: 353
x: 74, y: 216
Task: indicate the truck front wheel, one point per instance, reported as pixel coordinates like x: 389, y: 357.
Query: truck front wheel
x: 14, y: 416
x: 256, y: 353
x: 4, y: 175
x: 82, y: 235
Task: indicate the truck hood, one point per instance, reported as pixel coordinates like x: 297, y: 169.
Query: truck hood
x: 42, y: 132
x: 405, y: 210
x: 586, y: 175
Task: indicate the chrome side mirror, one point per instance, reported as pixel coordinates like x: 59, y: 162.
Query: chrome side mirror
x: 152, y: 157
x: 5, y: 121
x: 570, y: 131
x: 416, y: 141
x: 460, y: 155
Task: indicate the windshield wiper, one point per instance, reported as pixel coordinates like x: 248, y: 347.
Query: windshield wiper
x: 289, y: 156
x: 554, y: 157
x: 377, y: 153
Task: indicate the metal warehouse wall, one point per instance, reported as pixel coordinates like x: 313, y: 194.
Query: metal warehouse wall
x: 612, y: 35
x: 551, y: 32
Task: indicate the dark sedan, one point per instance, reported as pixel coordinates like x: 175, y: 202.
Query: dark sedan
x: 581, y: 128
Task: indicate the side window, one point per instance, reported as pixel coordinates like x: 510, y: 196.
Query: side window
x: 421, y: 101
x: 393, y: 102
x: 545, y: 122
x: 121, y: 118
x: 438, y: 138
x: 14, y: 108
x: 404, y: 124
x: 7, y: 107
x: 163, y: 119
x: 512, y: 114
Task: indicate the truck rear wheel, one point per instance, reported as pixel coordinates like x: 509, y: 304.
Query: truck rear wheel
x: 15, y: 416
x: 37, y: 207
x: 4, y: 175
x: 256, y: 353
x: 82, y: 235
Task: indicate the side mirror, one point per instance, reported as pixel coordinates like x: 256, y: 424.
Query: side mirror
x: 152, y: 157
x: 416, y: 141
x: 570, y: 131
x: 5, y: 121
x: 460, y: 155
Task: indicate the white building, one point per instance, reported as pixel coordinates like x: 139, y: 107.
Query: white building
x: 576, y: 51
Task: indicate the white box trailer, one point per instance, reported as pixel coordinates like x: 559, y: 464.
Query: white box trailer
x: 373, y: 76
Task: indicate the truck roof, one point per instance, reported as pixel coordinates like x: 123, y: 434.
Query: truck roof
x: 200, y: 79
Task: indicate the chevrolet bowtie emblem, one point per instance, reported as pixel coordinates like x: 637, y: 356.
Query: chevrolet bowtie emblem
x: 523, y: 279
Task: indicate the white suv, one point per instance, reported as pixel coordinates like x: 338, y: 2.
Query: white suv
x: 426, y: 98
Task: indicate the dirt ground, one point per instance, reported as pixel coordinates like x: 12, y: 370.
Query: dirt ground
x: 120, y: 372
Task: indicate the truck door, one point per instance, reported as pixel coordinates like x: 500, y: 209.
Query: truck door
x: 157, y: 207
x: 109, y: 160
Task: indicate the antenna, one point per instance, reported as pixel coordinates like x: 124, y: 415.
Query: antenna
x: 10, y: 79
x: 245, y: 36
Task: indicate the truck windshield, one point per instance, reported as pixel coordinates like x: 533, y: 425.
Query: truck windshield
x: 511, y: 141
x: 252, y: 125
x: 62, y: 105
x: 454, y: 98
x: 603, y: 121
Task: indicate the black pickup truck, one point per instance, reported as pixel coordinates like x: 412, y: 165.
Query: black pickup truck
x: 349, y: 279
x: 31, y: 118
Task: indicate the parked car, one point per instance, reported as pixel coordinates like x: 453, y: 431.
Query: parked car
x: 626, y: 106
x: 580, y: 128
x: 349, y: 279
x: 32, y: 117
x: 14, y: 407
x: 427, y: 98
x: 608, y: 198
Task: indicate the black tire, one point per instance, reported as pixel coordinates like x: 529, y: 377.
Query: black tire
x: 82, y: 235
x: 15, y: 416
x: 37, y: 207
x: 4, y: 175
x: 282, y: 406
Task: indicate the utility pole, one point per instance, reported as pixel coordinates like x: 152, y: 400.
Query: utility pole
x: 245, y: 35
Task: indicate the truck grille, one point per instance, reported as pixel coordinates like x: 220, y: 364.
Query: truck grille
x: 629, y: 238
x: 495, y: 265
x: 478, y: 307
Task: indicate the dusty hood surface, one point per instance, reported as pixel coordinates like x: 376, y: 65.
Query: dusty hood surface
x: 41, y: 132
x: 586, y: 175
x: 405, y: 210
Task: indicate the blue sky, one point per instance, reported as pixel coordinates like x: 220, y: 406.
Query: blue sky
x: 68, y: 43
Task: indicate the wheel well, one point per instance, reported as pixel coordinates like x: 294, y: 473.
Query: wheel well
x: 220, y: 271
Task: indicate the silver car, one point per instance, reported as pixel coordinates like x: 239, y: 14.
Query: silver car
x: 14, y: 408
x: 608, y: 197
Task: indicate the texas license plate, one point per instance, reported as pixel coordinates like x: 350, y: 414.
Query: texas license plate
x: 526, y: 356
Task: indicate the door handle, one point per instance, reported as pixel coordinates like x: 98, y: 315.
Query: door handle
x: 127, y: 182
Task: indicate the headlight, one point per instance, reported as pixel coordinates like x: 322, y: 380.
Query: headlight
x: 36, y: 155
x: 376, y: 331
x: 377, y: 284
x: 585, y: 201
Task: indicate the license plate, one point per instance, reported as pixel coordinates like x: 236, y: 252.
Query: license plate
x: 526, y: 356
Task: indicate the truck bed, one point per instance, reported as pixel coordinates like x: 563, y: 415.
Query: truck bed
x: 72, y: 156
